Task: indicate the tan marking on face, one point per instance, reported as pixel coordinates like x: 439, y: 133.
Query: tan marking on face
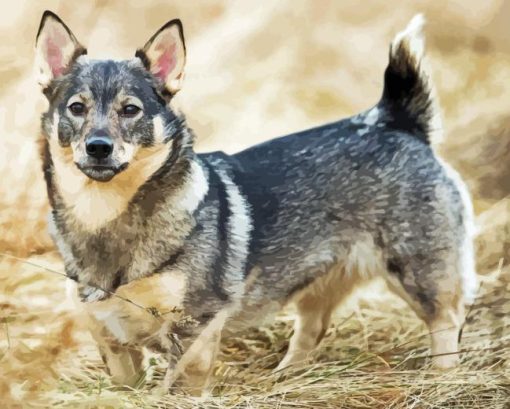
x: 84, y: 97
x: 95, y: 203
x: 81, y: 97
x: 122, y: 99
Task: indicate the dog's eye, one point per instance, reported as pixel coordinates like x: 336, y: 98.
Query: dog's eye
x: 77, y: 108
x: 130, y: 110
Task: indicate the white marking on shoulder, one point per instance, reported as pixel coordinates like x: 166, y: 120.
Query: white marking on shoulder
x: 239, y: 227
x: 371, y: 116
x: 194, y: 190
x: 240, y: 221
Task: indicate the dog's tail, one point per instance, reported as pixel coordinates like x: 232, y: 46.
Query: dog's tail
x: 409, y: 102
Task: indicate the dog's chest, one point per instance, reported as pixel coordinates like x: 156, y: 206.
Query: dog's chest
x: 123, y: 251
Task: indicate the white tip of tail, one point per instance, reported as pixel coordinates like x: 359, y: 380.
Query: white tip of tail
x: 411, y: 37
x: 408, y: 87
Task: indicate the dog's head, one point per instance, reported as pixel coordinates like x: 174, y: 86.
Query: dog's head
x: 107, y: 116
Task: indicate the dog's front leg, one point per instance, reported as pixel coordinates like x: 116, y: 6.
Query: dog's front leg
x: 88, y: 293
x: 193, y: 370
x: 123, y: 361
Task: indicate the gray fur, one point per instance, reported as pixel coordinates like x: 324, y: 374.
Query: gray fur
x: 278, y: 215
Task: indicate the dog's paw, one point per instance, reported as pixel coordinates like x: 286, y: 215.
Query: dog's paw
x: 92, y: 294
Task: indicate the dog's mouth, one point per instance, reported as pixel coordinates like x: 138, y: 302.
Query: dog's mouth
x: 101, y: 173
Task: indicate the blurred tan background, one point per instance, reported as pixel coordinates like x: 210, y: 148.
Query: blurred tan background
x: 257, y: 70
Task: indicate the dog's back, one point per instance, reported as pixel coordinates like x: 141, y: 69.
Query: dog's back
x: 359, y: 198
x: 371, y: 179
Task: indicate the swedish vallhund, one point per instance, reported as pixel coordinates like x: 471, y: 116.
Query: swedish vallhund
x: 199, y: 242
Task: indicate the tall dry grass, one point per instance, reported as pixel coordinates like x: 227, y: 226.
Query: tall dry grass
x: 258, y: 70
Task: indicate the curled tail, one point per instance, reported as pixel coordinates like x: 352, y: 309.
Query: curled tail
x: 408, y: 100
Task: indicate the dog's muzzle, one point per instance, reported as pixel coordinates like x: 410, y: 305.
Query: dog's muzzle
x: 99, y: 164
x: 99, y: 146
x: 101, y: 173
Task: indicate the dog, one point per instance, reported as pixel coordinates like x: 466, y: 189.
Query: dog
x: 169, y: 246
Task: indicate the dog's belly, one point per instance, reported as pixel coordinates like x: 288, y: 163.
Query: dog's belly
x: 154, y: 300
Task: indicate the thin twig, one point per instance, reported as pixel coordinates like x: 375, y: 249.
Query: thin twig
x: 152, y: 311
x: 463, y: 351
x: 7, y: 335
x: 469, y: 312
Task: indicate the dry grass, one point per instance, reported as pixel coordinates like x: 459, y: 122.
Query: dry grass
x: 376, y: 355
x: 257, y: 70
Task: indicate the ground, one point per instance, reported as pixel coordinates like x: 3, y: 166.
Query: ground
x: 258, y: 70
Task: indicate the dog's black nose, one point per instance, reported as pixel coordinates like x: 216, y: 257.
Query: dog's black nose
x: 99, y: 146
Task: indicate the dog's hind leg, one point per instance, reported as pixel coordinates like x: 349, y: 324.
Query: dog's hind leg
x: 444, y: 333
x: 314, y: 306
x: 433, y: 288
x: 312, y: 321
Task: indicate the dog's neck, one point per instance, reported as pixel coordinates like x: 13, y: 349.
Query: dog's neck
x: 165, y: 203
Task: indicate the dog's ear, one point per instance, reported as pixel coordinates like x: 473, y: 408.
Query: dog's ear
x: 164, y: 55
x: 56, y: 48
